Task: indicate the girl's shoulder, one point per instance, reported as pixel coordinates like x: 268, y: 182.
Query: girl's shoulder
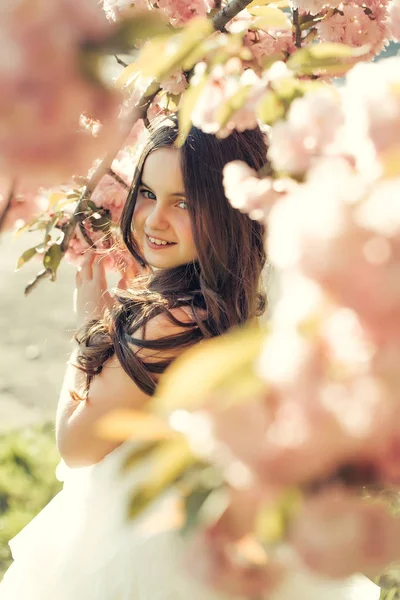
x: 171, y: 322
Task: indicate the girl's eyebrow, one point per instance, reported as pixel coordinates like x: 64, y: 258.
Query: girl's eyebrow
x: 176, y: 194
x: 145, y: 184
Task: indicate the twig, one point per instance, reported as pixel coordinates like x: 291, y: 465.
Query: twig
x: 7, y: 205
x: 32, y: 284
x: 120, y: 62
x: 297, y: 27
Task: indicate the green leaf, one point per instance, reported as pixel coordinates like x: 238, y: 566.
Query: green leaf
x: 25, y: 257
x: 33, y: 225
x: 271, y: 108
x: 188, y: 102
x: 123, y: 424
x: 324, y: 57
x: 193, y: 503
x: 55, y: 198
x: 225, y: 364
x: 167, y: 463
x: 51, y: 223
x: 139, y: 454
x: 131, y: 31
x: 162, y: 56
x: 270, y: 17
x: 273, y: 521
x: 140, y: 27
x: 52, y: 259
x: 254, y: 6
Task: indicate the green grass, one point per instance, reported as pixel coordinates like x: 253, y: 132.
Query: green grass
x: 28, y: 459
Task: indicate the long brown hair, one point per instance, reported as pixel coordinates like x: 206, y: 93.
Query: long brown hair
x: 221, y: 287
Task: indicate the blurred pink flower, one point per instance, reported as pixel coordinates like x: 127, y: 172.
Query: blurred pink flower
x: 338, y: 534
x: 388, y: 461
x: 250, y: 194
x: 393, y: 23
x: 345, y: 239
x: 226, y: 557
x: 220, y: 88
x: 373, y: 112
x: 44, y: 90
x: 309, y: 130
x: 24, y: 206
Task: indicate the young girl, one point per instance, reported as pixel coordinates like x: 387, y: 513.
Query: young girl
x: 203, y: 262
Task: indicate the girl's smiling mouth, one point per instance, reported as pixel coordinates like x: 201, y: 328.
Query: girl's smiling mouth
x: 157, y: 243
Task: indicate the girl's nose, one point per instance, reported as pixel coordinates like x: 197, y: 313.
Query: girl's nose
x: 157, y: 219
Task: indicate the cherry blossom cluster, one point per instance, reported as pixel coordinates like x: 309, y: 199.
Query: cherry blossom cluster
x: 327, y: 422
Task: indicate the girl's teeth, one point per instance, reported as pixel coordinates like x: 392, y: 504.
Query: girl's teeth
x: 158, y: 242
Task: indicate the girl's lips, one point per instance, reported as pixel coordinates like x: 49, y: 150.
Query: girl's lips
x: 156, y: 246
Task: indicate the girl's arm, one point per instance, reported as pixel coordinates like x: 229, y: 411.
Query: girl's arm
x: 77, y: 441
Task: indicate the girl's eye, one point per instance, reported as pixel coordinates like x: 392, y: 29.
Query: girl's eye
x: 148, y: 194
x: 183, y: 204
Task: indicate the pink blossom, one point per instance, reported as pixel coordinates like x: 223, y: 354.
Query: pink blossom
x: 379, y: 9
x: 175, y: 83
x: 155, y: 110
x: 311, y: 126
x: 114, y: 255
x: 250, y: 194
x: 314, y: 7
x: 110, y: 195
x: 352, y: 26
x: 44, y: 91
x: 263, y: 44
x: 394, y: 20
x: 220, y: 88
x: 181, y: 11
x: 338, y: 534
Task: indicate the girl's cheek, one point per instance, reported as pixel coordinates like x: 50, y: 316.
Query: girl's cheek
x: 139, y: 216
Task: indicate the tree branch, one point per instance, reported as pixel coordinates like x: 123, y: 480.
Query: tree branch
x: 228, y: 12
x: 297, y: 27
x: 7, y: 205
x: 32, y: 284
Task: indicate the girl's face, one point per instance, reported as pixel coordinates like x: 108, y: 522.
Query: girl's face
x: 161, y: 219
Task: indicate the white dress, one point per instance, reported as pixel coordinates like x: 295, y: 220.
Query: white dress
x: 80, y: 548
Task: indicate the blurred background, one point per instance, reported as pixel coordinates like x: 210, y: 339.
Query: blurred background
x: 35, y: 342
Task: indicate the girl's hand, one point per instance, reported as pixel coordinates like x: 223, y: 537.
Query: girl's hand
x: 91, y: 295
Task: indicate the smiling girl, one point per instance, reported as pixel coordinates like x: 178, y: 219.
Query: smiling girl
x: 202, y: 264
